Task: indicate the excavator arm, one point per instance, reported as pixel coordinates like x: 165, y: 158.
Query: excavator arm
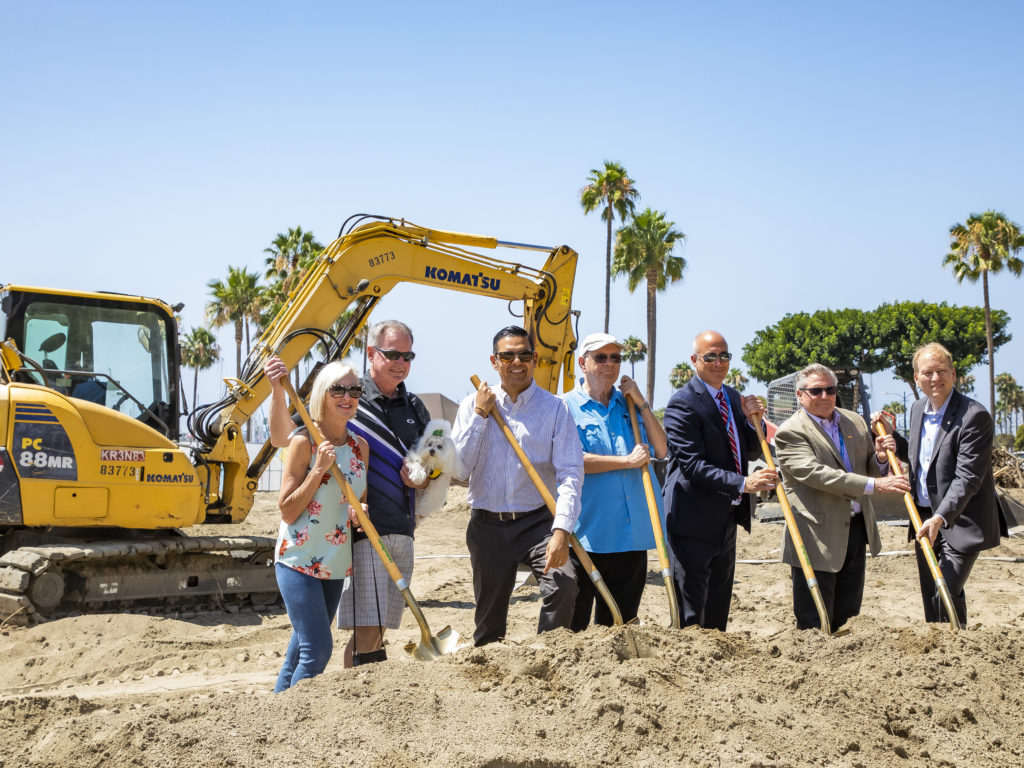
x: 356, y: 270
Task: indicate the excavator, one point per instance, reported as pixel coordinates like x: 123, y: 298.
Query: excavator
x: 95, y: 479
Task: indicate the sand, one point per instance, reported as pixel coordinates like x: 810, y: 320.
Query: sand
x: 135, y: 690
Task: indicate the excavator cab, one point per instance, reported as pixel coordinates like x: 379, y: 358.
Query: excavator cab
x: 117, y: 351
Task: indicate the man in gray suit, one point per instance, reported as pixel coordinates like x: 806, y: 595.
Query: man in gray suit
x: 830, y: 468
x: 950, y: 456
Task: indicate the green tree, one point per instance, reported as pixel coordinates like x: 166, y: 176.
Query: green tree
x: 1010, y: 402
x: 199, y: 351
x: 896, y: 408
x: 965, y: 383
x: 1018, y: 441
x: 236, y: 300
x: 643, y: 252
x: 736, y: 379
x: 987, y: 242
x: 878, y: 340
x: 904, y: 327
x: 842, y: 337
x: 291, y: 256
x: 680, y: 375
x: 633, y: 352
x: 611, y: 188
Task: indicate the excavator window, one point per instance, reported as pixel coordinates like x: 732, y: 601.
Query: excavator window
x: 113, y: 353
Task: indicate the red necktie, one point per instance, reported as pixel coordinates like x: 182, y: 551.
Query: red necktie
x: 723, y: 407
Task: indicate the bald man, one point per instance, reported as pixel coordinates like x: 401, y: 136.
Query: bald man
x: 708, y: 491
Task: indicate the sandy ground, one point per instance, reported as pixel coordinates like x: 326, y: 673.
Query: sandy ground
x: 130, y: 690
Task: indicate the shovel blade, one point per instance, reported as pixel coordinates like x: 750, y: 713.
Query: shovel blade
x: 446, y: 641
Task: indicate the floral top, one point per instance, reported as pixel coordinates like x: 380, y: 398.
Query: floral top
x: 319, y: 542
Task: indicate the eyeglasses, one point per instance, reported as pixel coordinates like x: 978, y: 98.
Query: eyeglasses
x: 523, y: 356
x: 714, y: 357
x: 601, y: 358
x: 339, y: 390
x: 819, y: 391
x: 394, y: 354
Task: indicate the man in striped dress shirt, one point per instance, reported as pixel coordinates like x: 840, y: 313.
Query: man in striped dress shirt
x: 510, y: 523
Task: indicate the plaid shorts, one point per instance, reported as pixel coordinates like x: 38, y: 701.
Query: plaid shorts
x: 369, y: 578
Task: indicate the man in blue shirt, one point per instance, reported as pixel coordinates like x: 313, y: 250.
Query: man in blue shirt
x: 614, y: 525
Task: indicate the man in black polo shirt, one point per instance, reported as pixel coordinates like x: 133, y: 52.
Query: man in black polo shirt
x: 392, y: 420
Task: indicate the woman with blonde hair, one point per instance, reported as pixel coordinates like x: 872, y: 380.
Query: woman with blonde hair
x: 314, y: 546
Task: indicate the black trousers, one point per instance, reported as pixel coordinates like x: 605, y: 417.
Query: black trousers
x: 842, y: 592
x: 956, y: 567
x: 624, y: 573
x: 496, y: 548
x: 703, y: 573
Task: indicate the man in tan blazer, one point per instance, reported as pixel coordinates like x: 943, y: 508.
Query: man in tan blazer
x: 830, y: 468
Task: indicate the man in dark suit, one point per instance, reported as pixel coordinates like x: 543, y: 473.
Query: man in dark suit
x: 707, y: 488
x: 950, y: 455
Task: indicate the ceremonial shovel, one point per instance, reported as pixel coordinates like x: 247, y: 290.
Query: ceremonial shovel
x: 549, y: 500
x: 429, y: 647
x: 798, y: 540
x: 659, y: 534
x: 929, y: 552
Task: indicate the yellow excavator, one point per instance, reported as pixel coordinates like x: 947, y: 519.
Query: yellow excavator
x: 95, y: 480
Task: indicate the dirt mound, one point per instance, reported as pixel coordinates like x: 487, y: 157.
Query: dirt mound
x: 125, y: 690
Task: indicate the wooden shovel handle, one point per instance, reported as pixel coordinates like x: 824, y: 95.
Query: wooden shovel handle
x: 926, y: 546
x: 794, y: 534
x: 549, y: 501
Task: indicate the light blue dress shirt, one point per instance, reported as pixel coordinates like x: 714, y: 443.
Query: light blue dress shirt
x: 614, y: 516
x: 930, y: 422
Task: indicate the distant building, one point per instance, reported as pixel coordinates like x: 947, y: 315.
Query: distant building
x: 440, y: 407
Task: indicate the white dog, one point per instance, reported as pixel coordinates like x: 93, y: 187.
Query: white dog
x: 433, y: 457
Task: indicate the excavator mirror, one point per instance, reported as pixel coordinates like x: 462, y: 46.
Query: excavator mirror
x: 143, y: 334
x: 53, y: 343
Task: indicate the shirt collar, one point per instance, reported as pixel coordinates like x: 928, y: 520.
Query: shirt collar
x: 711, y: 390
x: 524, y: 396
x: 615, y: 396
x: 831, y: 423
x: 938, y: 413
x: 371, y: 391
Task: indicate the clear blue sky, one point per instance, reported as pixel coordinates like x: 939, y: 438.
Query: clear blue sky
x: 815, y: 154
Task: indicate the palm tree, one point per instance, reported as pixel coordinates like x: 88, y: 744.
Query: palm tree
x: 633, y: 351
x: 736, y: 379
x: 965, y: 383
x: 236, y: 300
x: 199, y: 351
x: 643, y: 252
x: 680, y: 375
x: 613, y: 189
x: 291, y: 256
x: 986, y: 243
x: 1010, y: 398
x: 896, y: 408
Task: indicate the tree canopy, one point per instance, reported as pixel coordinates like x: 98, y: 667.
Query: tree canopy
x: 873, y: 340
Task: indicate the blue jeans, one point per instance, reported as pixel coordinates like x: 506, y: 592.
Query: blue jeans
x: 311, y: 604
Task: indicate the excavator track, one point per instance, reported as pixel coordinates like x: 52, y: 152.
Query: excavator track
x: 167, y: 575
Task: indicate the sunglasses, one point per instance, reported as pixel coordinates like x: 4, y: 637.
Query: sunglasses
x: 714, y: 357
x: 523, y: 356
x: 818, y: 391
x: 339, y: 390
x: 601, y: 358
x: 394, y: 354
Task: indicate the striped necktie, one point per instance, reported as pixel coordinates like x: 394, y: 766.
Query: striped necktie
x: 723, y: 408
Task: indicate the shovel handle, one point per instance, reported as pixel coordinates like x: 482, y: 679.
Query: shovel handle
x: 549, y: 501
x: 364, y: 521
x: 794, y: 534
x: 929, y: 552
x: 659, y: 533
